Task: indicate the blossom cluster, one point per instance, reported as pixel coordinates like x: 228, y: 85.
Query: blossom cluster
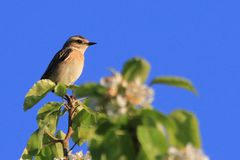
x: 188, y: 153
x: 77, y: 156
x: 126, y: 93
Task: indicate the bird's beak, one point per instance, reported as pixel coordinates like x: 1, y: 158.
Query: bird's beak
x: 91, y: 43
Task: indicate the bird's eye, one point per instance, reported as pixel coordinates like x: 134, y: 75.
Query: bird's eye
x: 79, y: 41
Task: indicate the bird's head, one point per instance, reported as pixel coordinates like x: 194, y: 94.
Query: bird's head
x: 78, y: 42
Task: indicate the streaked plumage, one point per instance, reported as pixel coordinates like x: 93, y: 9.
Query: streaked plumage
x: 67, y: 65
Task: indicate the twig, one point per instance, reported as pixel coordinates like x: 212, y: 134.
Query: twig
x: 67, y: 107
x: 75, y: 109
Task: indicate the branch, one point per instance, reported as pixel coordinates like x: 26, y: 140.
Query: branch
x: 70, y: 101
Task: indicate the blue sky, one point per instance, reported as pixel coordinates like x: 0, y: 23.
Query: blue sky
x: 196, y: 39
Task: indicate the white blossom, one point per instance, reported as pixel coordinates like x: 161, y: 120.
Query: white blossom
x: 122, y: 110
x: 125, y: 93
x: 121, y: 101
x: 77, y: 156
x: 188, y: 153
x: 112, y: 83
x: 88, y: 156
x: 139, y: 94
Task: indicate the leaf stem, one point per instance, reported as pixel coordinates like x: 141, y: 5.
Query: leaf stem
x: 54, y: 139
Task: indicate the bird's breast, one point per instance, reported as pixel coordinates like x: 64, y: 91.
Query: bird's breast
x: 72, y: 67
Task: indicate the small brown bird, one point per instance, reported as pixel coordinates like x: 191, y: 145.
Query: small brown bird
x: 67, y: 65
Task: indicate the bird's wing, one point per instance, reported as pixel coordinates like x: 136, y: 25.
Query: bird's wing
x: 58, y: 58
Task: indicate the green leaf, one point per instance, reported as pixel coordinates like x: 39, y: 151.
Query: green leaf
x: 50, y: 151
x: 187, y: 128
x: 104, y: 126
x: 57, y: 150
x: 119, y: 146
x: 60, y: 134
x: 48, y: 115
x: 142, y: 155
x: 49, y: 124
x: 83, y: 125
x: 39, y: 158
x: 34, y: 144
x: 60, y: 89
x: 88, y: 89
x: 46, y: 153
x: 161, y: 122
x: 153, y: 142
x: 82, y: 134
x: 84, y: 118
x: 176, y: 82
x: 48, y: 109
x: 136, y: 69
x: 37, y: 92
x: 25, y: 154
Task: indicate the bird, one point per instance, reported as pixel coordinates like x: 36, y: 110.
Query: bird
x: 67, y: 64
